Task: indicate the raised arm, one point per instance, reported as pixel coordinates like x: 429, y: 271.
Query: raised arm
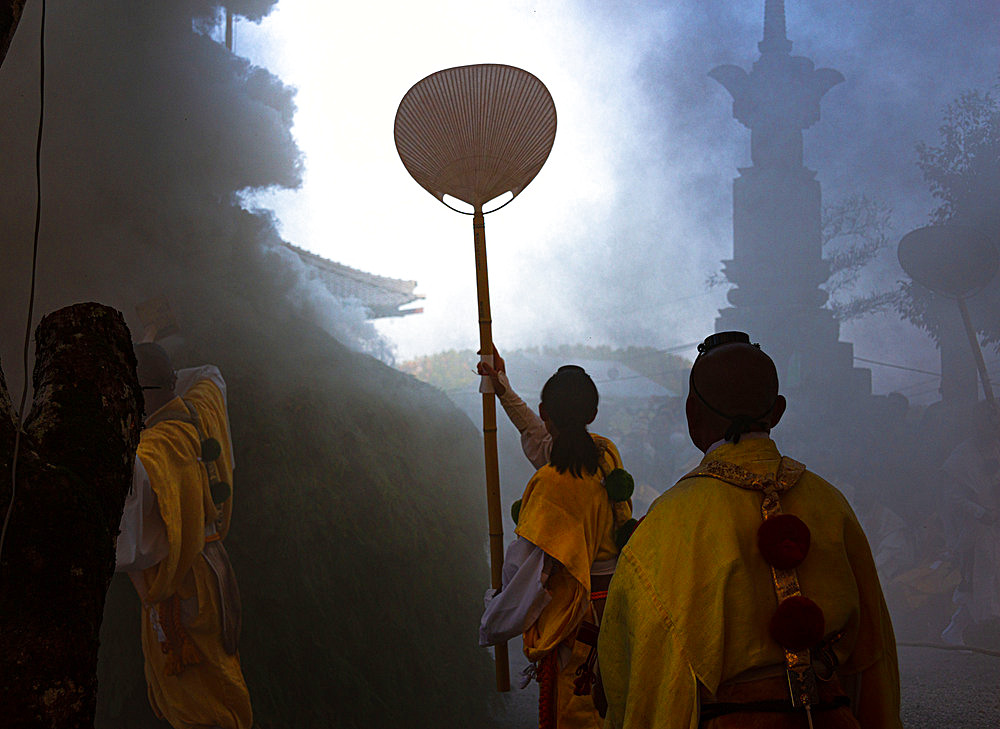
x: 536, y: 442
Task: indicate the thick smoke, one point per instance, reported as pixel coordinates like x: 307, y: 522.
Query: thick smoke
x: 154, y: 131
x: 636, y: 272
x: 151, y: 132
x: 354, y: 483
x: 346, y: 320
x: 613, y: 241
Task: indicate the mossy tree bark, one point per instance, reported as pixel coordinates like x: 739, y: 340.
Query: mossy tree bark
x: 74, y: 470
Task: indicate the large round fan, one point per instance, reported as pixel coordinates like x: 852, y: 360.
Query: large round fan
x: 475, y: 132
x: 954, y: 261
x: 950, y: 259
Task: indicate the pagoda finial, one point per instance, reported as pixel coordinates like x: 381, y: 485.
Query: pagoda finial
x: 775, y: 39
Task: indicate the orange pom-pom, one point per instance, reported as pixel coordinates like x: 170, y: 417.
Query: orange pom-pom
x: 783, y: 540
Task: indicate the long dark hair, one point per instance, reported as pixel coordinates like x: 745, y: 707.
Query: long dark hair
x: 570, y: 402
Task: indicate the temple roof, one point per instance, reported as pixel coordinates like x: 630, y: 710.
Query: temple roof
x: 381, y: 295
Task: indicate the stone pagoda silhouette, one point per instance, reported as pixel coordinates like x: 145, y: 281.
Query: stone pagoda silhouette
x: 777, y: 264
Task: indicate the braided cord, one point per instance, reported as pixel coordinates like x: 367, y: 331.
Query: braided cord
x: 547, y: 675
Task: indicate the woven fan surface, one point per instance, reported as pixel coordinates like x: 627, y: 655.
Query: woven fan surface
x: 475, y: 132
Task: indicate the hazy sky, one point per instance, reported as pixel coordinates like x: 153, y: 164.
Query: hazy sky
x: 613, y: 241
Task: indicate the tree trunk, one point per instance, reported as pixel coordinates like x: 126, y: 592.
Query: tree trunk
x: 10, y: 14
x: 74, y: 471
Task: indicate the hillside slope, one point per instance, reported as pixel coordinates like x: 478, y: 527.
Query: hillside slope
x: 358, y: 539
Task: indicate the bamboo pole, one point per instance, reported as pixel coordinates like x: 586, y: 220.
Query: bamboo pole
x: 977, y: 351
x: 490, y: 436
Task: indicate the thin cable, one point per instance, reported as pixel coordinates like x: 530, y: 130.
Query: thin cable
x: 896, y: 366
x: 34, y: 265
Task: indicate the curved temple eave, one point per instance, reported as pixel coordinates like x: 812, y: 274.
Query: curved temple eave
x: 733, y: 78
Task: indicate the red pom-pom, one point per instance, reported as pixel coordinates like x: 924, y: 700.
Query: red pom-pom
x: 783, y: 540
x: 797, y: 624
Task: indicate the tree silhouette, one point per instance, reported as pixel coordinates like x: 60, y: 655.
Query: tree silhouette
x: 963, y: 172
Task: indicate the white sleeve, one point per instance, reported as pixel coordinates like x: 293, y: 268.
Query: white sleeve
x: 187, y: 378
x: 536, y: 441
x: 522, y: 598
x: 142, y: 539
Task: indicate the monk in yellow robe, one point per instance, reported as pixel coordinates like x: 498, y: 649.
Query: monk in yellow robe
x: 558, y: 569
x: 693, y: 635
x: 171, y: 546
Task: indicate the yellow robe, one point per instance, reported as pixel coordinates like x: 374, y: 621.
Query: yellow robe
x: 692, y: 596
x: 572, y: 520
x: 212, y: 692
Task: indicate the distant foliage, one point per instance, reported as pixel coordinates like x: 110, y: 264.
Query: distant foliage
x: 872, y: 303
x: 963, y: 172
x: 855, y: 233
x: 663, y: 368
x: 455, y: 369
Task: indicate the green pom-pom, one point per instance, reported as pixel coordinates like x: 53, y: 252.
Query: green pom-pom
x: 210, y: 449
x: 619, y: 484
x: 221, y: 491
x: 624, y: 533
x: 515, y: 510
